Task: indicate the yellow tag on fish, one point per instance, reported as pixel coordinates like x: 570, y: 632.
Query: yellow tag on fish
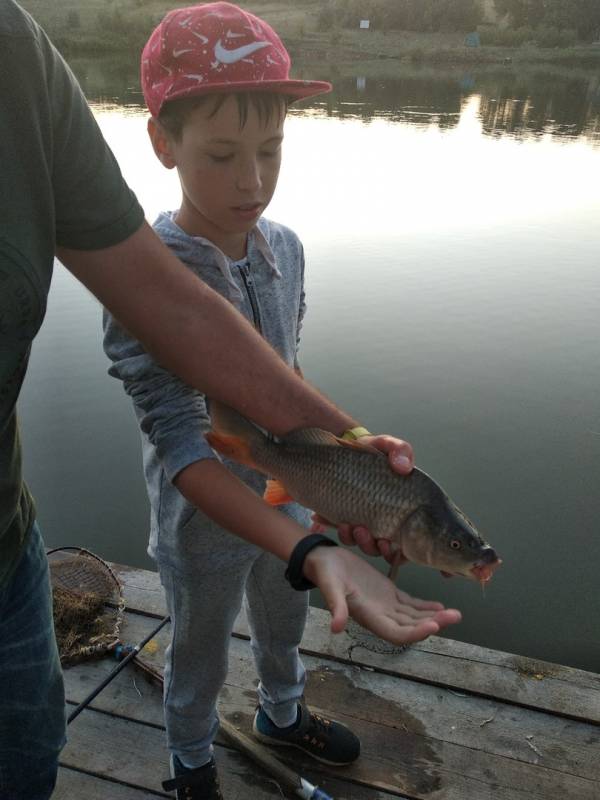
x: 352, y: 434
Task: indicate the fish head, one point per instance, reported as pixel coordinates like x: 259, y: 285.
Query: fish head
x: 440, y: 536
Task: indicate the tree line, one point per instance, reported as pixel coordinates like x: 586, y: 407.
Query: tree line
x: 582, y: 17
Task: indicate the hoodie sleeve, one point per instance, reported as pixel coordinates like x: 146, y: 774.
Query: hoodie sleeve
x: 171, y: 414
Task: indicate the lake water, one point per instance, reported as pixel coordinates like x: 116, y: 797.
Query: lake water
x: 450, y: 223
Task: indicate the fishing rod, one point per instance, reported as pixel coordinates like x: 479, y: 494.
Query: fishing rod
x: 119, y: 650
x: 292, y: 780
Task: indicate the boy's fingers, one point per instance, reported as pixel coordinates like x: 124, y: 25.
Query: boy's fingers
x: 385, y: 549
x: 345, y: 535
x: 449, y: 616
x: 365, y: 540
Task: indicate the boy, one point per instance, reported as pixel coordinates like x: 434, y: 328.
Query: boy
x: 215, y: 79
x: 226, y: 145
x: 225, y: 142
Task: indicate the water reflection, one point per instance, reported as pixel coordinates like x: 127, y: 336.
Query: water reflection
x: 509, y: 104
x: 565, y: 108
x: 560, y: 105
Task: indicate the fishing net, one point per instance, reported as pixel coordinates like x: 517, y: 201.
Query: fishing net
x: 88, y: 604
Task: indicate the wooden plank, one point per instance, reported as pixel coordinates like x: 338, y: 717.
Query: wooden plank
x: 408, y: 730
x: 444, y: 662
x: 464, y: 667
x: 72, y: 785
x: 447, y: 716
x: 135, y: 755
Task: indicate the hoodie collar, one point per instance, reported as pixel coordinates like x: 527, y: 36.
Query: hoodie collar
x: 257, y: 243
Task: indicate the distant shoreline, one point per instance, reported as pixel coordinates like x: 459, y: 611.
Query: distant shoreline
x: 405, y: 52
x: 93, y: 27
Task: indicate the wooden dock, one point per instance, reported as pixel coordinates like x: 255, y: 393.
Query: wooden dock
x: 443, y: 721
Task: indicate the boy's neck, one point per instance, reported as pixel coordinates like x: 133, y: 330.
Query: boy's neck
x: 233, y: 245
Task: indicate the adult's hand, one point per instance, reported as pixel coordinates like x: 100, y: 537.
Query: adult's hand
x: 401, y: 459
x: 352, y: 587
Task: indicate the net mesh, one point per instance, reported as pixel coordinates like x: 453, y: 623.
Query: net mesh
x: 88, y: 604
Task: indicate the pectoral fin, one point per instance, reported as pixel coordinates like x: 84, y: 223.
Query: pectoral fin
x: 276, y: 494
x: 399, y: 560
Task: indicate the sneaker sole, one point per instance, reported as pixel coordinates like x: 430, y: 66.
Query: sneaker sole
x: 278, y: 743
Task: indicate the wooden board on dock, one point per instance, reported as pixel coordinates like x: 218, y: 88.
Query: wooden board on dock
x: 444, y: 720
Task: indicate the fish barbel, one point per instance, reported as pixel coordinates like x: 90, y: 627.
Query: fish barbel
x: 350, y: 482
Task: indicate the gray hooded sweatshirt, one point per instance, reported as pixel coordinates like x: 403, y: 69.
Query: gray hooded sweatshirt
x: 267, y: 287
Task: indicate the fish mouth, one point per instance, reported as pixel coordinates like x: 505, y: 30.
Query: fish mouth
x: 483, y: 572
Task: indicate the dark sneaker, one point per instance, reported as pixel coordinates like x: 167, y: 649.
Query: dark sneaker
x: 323, y: 739
x: 194, y: 784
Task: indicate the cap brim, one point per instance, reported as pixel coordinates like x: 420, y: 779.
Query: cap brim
x: 295, y: 89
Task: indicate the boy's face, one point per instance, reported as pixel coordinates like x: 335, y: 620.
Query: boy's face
x: 228, y: 174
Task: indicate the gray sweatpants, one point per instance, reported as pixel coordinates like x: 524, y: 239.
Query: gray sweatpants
x: 205, y: 575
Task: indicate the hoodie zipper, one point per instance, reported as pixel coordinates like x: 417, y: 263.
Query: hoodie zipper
x: 251, y: 291
x: 249, y: 284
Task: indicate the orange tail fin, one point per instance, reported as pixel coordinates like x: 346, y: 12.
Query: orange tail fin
x: 231, y: 447
x: 276, y: 494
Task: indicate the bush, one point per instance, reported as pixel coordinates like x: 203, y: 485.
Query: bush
x: 549, y: 36
x: 505, y: 37
x: 326, y: 18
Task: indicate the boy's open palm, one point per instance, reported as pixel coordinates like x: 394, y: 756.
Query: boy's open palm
x: 352, y: 587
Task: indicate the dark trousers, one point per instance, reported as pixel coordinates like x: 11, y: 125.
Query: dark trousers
x: 32, y: 700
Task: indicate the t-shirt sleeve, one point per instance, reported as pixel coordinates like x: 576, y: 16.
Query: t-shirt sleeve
x: 94, y: 207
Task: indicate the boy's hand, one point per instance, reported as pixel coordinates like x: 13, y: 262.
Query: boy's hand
x: 353, y: 587
x: 402, y: 459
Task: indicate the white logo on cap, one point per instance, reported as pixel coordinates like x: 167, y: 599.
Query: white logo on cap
x: 231, y: 56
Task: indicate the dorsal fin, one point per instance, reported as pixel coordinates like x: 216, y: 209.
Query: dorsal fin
x: 309, y: 436
x: 366, y: 448
x: 321, y: 437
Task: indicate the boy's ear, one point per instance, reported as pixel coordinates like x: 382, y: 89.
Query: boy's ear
x: 161, y: 143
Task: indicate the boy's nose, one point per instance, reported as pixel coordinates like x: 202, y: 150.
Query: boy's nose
x: 248, y: 177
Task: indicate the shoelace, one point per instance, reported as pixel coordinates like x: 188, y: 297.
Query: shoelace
x: 320, y: 723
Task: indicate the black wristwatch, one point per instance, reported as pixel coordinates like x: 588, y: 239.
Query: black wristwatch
x: 293, y: 572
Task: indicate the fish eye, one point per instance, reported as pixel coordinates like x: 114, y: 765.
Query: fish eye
x: 455, y: 544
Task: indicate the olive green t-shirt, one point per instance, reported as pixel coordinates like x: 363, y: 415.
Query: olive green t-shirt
x: 59, y: 185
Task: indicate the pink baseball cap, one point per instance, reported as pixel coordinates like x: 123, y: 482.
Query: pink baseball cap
x: 216, y: 47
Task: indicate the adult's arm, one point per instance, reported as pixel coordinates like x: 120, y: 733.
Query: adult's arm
x: 195, y: 333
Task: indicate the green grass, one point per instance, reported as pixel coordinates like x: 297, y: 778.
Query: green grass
x: 122, y: 26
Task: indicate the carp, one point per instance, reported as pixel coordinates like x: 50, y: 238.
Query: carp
x: 352, y: 482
